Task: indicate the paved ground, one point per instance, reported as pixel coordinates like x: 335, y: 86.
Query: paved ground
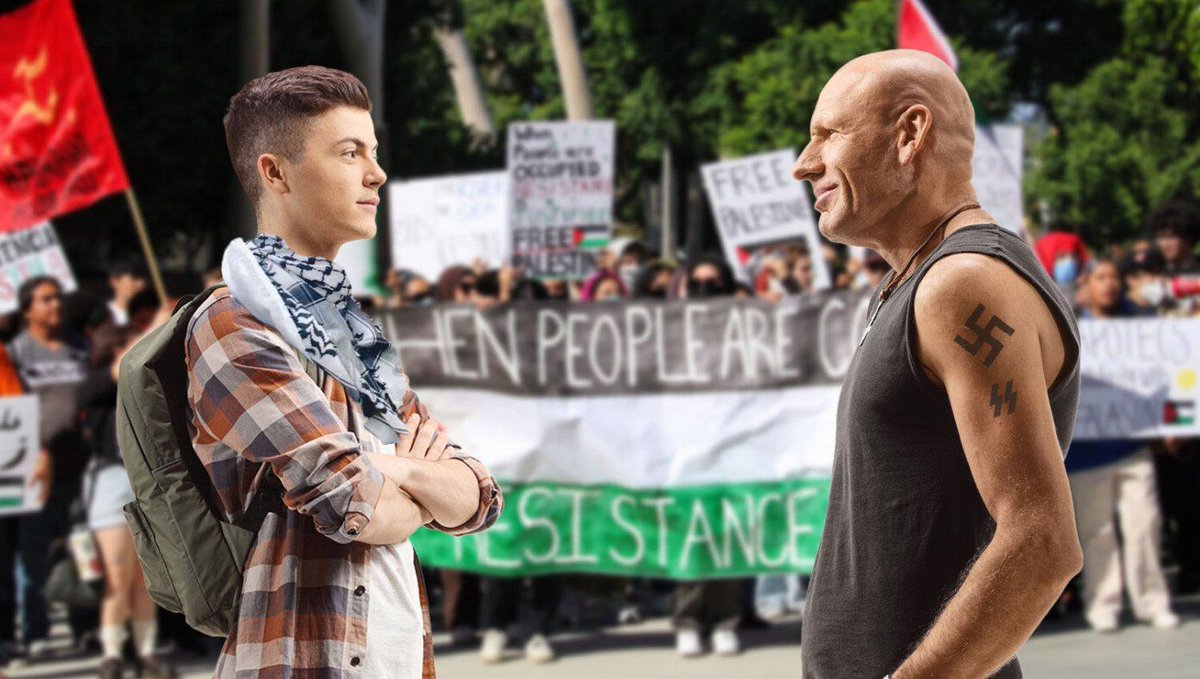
x: 1061, y: 650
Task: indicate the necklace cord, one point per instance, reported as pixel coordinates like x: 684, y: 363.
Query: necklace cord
x: 895, y: 279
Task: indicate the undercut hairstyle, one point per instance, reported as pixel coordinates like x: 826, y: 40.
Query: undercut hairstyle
x: 270, y: 115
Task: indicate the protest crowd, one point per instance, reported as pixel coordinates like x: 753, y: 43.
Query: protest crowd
x: 1138, y: 521
x: 544, y: 257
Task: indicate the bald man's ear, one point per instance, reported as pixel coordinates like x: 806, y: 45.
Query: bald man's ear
x: 913, y: 130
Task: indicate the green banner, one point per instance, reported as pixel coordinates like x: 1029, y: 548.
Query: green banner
x: 728, y: 530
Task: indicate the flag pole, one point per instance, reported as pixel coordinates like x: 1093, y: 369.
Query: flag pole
x: 144, y: 239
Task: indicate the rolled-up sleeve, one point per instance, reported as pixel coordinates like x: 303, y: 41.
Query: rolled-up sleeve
x: 248, y: 390
x: 491, y: 502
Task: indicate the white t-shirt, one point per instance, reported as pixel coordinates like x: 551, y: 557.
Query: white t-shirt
x: 395, y: 623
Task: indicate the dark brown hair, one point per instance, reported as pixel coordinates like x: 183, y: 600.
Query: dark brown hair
x: 268, y: 115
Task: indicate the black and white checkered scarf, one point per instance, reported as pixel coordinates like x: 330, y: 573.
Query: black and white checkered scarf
x: 316, y: 295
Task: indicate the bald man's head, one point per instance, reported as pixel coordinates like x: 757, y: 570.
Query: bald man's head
x: 888, y: 128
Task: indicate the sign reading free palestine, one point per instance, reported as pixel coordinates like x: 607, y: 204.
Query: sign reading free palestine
x: 694, y: 438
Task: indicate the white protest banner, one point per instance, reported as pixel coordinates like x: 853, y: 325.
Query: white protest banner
x: 437, y: 222
x: 31, y: 252
x: 998, y: 170
x: 756, y: 202
x: 561, y: 186
x: 18, y: 453
x: 1139, y: 378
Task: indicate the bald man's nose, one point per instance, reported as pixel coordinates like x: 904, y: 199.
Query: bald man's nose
x: 807, y: 165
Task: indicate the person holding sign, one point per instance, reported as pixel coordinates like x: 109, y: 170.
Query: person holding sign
x: 289, y: 382
x: 950, y: 531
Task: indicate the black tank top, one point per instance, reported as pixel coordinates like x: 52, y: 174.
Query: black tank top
x: 905, y: 519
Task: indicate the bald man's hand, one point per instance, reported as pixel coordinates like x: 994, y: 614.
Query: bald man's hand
x: 988, y: 339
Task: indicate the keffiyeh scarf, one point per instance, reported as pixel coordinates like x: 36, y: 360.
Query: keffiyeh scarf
x: 308, y: 301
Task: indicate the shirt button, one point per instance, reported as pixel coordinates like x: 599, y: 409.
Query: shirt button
x: 360, y: 590
x: 354, y: 662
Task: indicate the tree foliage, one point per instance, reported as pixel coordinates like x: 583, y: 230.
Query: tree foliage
x: 1128, y: 135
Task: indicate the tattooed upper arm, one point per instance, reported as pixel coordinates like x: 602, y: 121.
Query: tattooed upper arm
x: 982, y: 332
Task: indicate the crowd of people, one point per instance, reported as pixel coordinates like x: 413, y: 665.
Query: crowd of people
x: 1129, y: 495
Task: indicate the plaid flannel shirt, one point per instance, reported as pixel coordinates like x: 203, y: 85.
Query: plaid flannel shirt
x: 254, y: 411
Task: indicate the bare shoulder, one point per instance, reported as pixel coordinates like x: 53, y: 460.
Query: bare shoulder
x: 970, y: 307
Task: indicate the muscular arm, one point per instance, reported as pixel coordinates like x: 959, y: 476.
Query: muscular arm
x: 996, y: 375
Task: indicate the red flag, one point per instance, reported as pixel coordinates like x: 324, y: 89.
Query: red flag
x: 917, y: 30
x: 57, y: 151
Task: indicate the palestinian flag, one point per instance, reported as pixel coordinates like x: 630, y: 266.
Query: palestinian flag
x: 1179, y: 412
x: 916, y: 29
x: 591, y: 237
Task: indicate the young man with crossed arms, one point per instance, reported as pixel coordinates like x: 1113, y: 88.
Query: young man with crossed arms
x: 331, y: 586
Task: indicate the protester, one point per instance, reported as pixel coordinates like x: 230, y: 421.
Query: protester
x: 126, y: 601
x: 653, y: 281
x: 801, y: 278
x: 914, y: 578
x: 708, y: 607
x: 1175, y: 227
x: 603, y: 286
x: 52, y: 366
x: 21, y: 535
x: 456, y: 285
x: 126, y: 280
x: 1112, y: 483
x: 332, y: 569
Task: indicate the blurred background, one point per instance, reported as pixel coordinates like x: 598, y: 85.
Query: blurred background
x: 671, y: 468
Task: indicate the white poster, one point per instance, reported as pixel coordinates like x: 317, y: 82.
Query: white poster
x: 31, y: 252
x: 18, y: 452
x: 998, y: 165
x: 561, y: 183
x: 438, y: 222
x: 756, y: 202
x: 1139, y: 378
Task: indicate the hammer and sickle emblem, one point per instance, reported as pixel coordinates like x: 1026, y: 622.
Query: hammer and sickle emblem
x: 30, y: 70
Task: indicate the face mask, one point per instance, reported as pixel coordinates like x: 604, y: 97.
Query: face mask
x: 705, y: 288
x: 1066, y: 270
x: 628, y: 274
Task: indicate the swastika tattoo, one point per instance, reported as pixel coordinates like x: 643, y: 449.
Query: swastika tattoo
x: 998, y: 400
x: 983, y: 336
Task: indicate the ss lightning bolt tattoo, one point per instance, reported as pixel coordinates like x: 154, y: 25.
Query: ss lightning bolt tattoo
x: 983, y: 336
x: 998, y: 401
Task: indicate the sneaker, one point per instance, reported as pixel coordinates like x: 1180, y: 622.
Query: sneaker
x: 492, y: 651
x: 629, y: 615
x: 1105, y: 625
x: 1166, y: 620
x: 725, y: 642
x: 538, y: 650
x: 687, y: 643
x: 112, y: 668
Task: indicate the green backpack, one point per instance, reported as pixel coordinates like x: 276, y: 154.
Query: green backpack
x: 191, y: 556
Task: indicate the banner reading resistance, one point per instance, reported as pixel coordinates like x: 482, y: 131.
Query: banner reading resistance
x: 692, y: 439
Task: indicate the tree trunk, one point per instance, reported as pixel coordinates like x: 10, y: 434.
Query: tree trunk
x: 569, y: 59
x: 468, y: 88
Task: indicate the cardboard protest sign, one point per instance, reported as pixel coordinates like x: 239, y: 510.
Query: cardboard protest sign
x: 561, y: 187
x: 998, y: 170
x: 18, y: 452
x: 756, y: 202
x: 437, y: 222
x: 35, y: 251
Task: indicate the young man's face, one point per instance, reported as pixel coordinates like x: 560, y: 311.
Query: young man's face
x: 334, y: 185
x: 46, y: 307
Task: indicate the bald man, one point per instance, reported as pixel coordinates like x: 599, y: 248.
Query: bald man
x: 950, y: 530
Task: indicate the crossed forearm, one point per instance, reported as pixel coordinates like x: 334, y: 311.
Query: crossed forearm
x: 1006, y: 594
x: 446, y: 488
